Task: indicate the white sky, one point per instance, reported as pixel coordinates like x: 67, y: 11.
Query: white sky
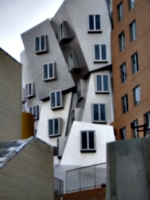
x: 17, y: 16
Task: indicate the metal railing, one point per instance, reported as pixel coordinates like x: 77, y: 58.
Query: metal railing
x: 58, y: 186
x: 86, y: 177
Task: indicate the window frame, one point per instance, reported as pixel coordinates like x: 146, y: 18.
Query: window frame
x: 123, y: 133
x: 40, y: 50
x: 32, y: 111
x: 48, y: 69
x: 120, y: 12
x: 131, y: 4
x: 88, y: 149
x: 102, y: 91
x: 59, y: 127
x: 29, y: 90
x: 135, y: 95
x: 121, y: 41
x: 56, y: 100
x: 100, y: 120
x: 95, y: 29
x: 123, y: 76
x: 100, y: 53
x: 134, y: 63
x: 132, y: 27
x: 125, y: 107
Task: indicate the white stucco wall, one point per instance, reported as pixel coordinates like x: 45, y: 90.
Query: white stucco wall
x: 72, y: 154
x: 92, y: 97
x: 47, y: 113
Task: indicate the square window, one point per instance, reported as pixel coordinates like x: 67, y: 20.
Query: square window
x: 88, y: 141
x: 122, y: 41
x: 133, y: 31
x: 123, y: 133
x: 41, y: 44
x: 120, y: 11
x: 101, y: 84
x: 94, y: 23
x: 131, y: 4
x: 98, y: 113
x: 54, y: 127
x: 100, y: 53
x: 135, y: 132
x: 134, y: 62
x: 34, y: 110
x: 125, y: 103
x: 136, y: 93
x: 29, y: 90
x: 123, y: 73
x: 49, y: 71
x: 56, y: 99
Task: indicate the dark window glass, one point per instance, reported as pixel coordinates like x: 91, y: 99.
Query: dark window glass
x: 53, y: 99
x: 102, y: 110
x: 51, y: 70
x: 134, y: 59
x: 99, y: 83
x: 91, y: 22
x: 105, y: 82
x: 42, y: 43
x: 58, y: 98
x: 96, y: 115
x: 51, y: 127
x: 91, y: 140
x: 97, y: 21
x: 123, y: 73
x: 103, y: 49
x: 84, y: 140
x: 30, y: 89
x: 125, y: 103
x: 35, y: 111
x: 45, y: 72
x: 97, y: 53
x: 56, y: 126
x: 37, y: 44
x: 123, y: 133
x: 136, y: 92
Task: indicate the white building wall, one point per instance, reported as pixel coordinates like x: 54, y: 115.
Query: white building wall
x: 47, y: 113
x: 72, y: 154
x: 92, y: 97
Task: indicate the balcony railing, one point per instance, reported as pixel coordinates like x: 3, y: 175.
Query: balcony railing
x: 86, y: 177
x: 58, y: 186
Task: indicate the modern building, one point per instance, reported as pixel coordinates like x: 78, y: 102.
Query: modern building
x: 130, y: 58
x: 67, y: 81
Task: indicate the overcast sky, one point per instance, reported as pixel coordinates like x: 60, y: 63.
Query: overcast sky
x: 17, y: 16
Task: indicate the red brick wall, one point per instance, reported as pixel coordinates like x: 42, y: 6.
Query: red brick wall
x: 141, y: 14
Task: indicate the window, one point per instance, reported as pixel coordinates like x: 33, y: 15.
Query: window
x: 125, y: 103
x: 134, y: 62
x: 123, y: 133
x: 49, y: 71
x: 136, y: 93
x: 64, y: 35
x: 100, y: 54
x: 94, y: 23
x: 41, y: 44
x: 72, y: 61
x: 131, y: 4
x: 102, y: 84
x: 122, y: 41
x: 54, y: 127
x: 123, y: 73
x: 88, y: 141
x: 29, y: 90
x: 120, y: 11
x: 98, y: 113
x: 34, y: 110
x: 133, y: 31
x: 147, y: 118
x: 56, y: 99
x: 135, y: 132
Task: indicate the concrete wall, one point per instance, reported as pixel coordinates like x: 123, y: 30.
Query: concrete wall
x: 128, y: 169
x: 10, y: 99
x: 72, y: 154
x: 29, y: 175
